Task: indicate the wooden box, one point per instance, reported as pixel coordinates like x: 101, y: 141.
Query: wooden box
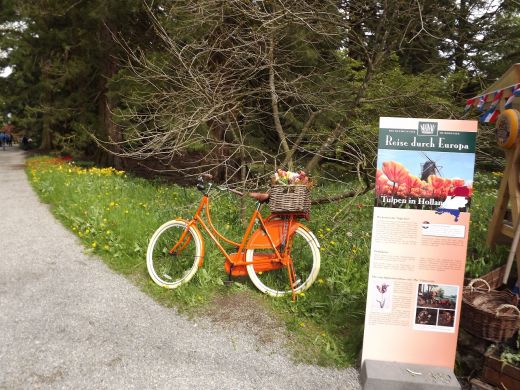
x: 500, y: 374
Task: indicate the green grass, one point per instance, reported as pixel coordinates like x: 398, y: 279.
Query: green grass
x: 114, y: 215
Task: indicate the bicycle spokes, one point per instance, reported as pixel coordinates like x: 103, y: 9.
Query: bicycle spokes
x: 174, y: 254
x: 182, y: 243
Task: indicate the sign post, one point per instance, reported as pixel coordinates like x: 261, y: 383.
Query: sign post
x: 424, y: 184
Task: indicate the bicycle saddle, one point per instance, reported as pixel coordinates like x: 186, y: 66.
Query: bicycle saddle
x: 262, y: 197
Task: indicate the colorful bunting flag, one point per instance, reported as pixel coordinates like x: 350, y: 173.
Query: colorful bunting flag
x: 515, y: 92
x: 469, y: 104
x: 481, y: 101
x: 492, y: 113
x: 496, y: 99
x: 490, y: 116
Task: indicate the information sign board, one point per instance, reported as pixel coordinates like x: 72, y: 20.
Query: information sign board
x: 424, y: 185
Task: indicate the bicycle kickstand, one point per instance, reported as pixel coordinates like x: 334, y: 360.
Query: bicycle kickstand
x: 229, y: 281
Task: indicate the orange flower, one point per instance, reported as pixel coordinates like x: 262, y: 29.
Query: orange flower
x: 388, y: 190
x: 456, y: 182
x: 414, y: 182
x: 416, y: 191
x: 381, y: 182
x: 426, y: 190
x: 395, y: 171
x: 403, y: 190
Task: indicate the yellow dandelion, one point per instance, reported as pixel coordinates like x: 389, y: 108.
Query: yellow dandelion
x: 94, y: 244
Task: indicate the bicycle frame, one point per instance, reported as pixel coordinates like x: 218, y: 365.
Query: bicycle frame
x: 269, y: 235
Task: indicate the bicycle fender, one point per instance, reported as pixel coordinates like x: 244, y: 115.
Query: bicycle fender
x: 260, y: 240
x: 195, y: 230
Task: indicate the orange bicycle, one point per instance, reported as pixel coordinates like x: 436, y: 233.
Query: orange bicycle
x: 279, y: 254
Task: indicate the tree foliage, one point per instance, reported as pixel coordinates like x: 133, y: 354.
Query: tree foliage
x: 240, y: 87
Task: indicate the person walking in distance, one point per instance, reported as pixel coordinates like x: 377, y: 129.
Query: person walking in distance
x: 3, y: 140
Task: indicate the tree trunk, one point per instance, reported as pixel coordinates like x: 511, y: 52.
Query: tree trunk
x: 112, y: 132
x: 274, y: 104
x: 303, y: 133
x: 46, y: 140
x: 219, y: 155
x: 459, y: 53
x: 311, y: 165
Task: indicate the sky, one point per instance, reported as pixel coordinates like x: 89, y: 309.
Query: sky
x: 6, y: 72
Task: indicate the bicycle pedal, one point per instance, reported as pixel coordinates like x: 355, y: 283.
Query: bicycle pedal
x: 228, y: 282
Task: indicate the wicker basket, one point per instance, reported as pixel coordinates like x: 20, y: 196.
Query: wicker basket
x: 289, y: 199
x: 488, y: 314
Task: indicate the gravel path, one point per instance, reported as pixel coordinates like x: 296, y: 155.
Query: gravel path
x: 67, y: 321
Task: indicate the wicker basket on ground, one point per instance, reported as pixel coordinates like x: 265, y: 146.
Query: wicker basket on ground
x: 289, y: 199
x: 488, y: 314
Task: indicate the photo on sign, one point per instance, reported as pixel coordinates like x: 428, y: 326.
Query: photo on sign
x: 446, y: 318
x: 425, y: 316
x: 424, y: 180
x: 381, y: 293
x: 435, y: 307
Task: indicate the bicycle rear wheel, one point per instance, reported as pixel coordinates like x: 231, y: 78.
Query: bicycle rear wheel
x: 170, y: 270
x: 305, y: 254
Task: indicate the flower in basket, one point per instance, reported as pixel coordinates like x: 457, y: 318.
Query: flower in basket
x: 282, y: 177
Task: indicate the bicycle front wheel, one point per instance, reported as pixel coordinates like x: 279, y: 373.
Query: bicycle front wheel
x: 305, y: 255
x: 173, y: 254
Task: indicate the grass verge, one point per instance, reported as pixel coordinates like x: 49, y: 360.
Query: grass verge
x: 114, y: 215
